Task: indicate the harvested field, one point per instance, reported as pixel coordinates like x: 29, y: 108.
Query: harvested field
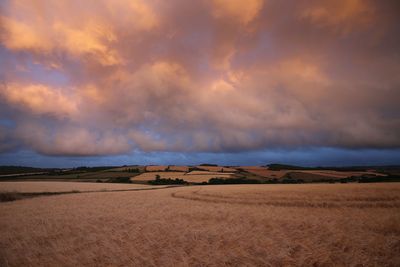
x: 156, y: 168
x: 39, y: 187
x: 178, y: 168
x: 205, y: 176
x: 216, y: 168
x: 240, y: 225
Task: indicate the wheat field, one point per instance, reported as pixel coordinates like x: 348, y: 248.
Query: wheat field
x: 227, y: 225
x: 46, y: 187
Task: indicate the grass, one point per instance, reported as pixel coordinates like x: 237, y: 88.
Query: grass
x: 222, y: 225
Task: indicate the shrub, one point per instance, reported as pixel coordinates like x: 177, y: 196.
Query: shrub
x: 123, y: 180
x: 134, y: 170
x: 9, y: 196
x: 165, y: 181
x: 233, y: 181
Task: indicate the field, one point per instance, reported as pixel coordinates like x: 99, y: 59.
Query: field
x: 38, y: 187
x: 227, y: 225
x: 276, y: 173
x: 156, y: 168
x: 264, y: 172
x: 178, y: 168
x: 216, y: 168
x: 306, y: 175
x: 149, y: 176
x: 79, y: 177
x: 191, y: 177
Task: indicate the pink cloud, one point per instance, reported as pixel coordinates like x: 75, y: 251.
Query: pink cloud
x: 210, y: 75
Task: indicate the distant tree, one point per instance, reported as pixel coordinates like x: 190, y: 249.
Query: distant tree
x: 166, y: 181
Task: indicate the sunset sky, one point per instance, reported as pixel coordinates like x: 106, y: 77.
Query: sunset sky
x: 248, y: 82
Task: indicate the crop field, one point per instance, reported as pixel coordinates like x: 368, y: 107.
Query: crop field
x: 38, y: 187
x: 216, y: 168
x: 149, y: 176
x: 79, y: 177
x: 191, y: 177
x: 178, y: 168
x: 226, y: 225
x: 155, y: 168
x: 140, y: 174
x: 264, y: 172
x: 306, y: 175
x: 337, y: 174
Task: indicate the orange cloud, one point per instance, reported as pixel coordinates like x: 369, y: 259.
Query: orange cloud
x: 40, y: 99
x: 341, y: 15
x: 109, y: 77
x: 89, y: 41
x: 21, y: 36
x: 134, y: 13
x: 81, y: 33
x: 242, y: 11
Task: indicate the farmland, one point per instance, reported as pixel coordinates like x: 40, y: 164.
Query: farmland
x: 191, y: 177
x: 216, y: 168
x: 38, y: 187
x: 224, y: 225
x: 202, y: 174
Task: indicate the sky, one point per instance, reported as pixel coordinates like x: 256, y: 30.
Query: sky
x: 233, y: 82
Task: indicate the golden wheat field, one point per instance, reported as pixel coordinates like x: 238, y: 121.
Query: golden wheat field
x: 227, y: 225
x: 38, y: 187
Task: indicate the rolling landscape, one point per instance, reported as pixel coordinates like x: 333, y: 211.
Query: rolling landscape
x: 204, y: 133
x: 93, y: 217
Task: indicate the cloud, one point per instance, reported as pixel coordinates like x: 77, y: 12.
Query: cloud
x: 236, y: 10
x: 342, y: 16
x: 40, y: 99
x: 71, y: 141
x: 101, y: 77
